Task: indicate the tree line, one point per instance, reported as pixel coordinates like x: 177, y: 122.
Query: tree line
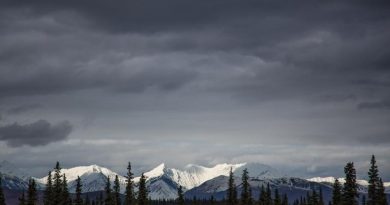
x: 56, y: 192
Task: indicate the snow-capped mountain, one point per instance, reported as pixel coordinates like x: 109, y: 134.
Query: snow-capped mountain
x: 93, y: 177
x: 199, y: 181
x: 363, y: 183
x: 13, y: 177
x: 192, y: 175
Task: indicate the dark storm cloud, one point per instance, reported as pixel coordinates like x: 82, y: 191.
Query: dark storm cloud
x: 38, y: 133
x: 23, y: 108
x: 312, y: 73
x: 375, y: 105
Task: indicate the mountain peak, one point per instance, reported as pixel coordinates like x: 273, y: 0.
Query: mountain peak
x: 157, y: 171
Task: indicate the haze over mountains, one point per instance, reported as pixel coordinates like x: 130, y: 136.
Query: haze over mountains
x: 196, y: 180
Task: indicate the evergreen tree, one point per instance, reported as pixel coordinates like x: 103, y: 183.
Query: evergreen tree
x: 382, y: 198
x: 336, y: 198
x: 48, y: 193
x: 142, y: 192
x: 22, y: 199
x: 277, y: 198
x: 32, y: 197
x: 2, y: 198
x: 66, y: 200
x: 245, y: 197
x: 180, y: 196
x: 57, y: 185
x: 231, y: 192
x: 117, y: 190
x: 109, y: 200
x: 78, y: 200
x: 373, y: 179
x: 350, y: 187
x: 129, y: 194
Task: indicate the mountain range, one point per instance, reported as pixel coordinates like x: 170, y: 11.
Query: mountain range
x: 197, y: 181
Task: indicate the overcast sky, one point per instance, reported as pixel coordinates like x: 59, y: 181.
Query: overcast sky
x: 303, y: 87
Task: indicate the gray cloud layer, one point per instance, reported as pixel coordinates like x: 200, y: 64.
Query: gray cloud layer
x: 259, y: 72
x: 37, y: 133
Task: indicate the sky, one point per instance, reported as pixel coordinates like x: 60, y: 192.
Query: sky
x: 303, y: 87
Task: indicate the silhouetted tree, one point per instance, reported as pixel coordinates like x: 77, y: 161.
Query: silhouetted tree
x: 117, y: 190
x: 245, y: 195
x: 129, y: 193
x: 57, y: 186
x: 350, y: 187
x: 109, y: 200
x: 78, y: 200
x: 336, y: 198
x: 66, y: 200
x: 231, y: 192
x: 48, y: 193
x: 382, y: 198
x: 142, y: 192
x: 373, y: 180
x: 32, y: 197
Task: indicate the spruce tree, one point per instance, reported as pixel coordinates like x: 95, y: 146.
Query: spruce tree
x: 22, y: 199
x: 57, y: 185
x: 382, y: 197
x: 78, y: 200
x: 373, y: 179
x: 117, y: 190
x: 350, y: 187
x: 142, y: 192
x: 180, y: 196
x: 32, y: 197
x: 2, y: 198
x: 129, y: 194
x: 245, y: 197
x: 48, y: 193
x: 336, y: 198
x: 109, y: 200
x: 277, y: 197
x: 231, y: 195
x: 66, y: 200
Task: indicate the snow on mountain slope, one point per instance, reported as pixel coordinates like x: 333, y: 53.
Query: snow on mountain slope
x: 93, y: 177
x: 192, y: 175
x: 331, y: 180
